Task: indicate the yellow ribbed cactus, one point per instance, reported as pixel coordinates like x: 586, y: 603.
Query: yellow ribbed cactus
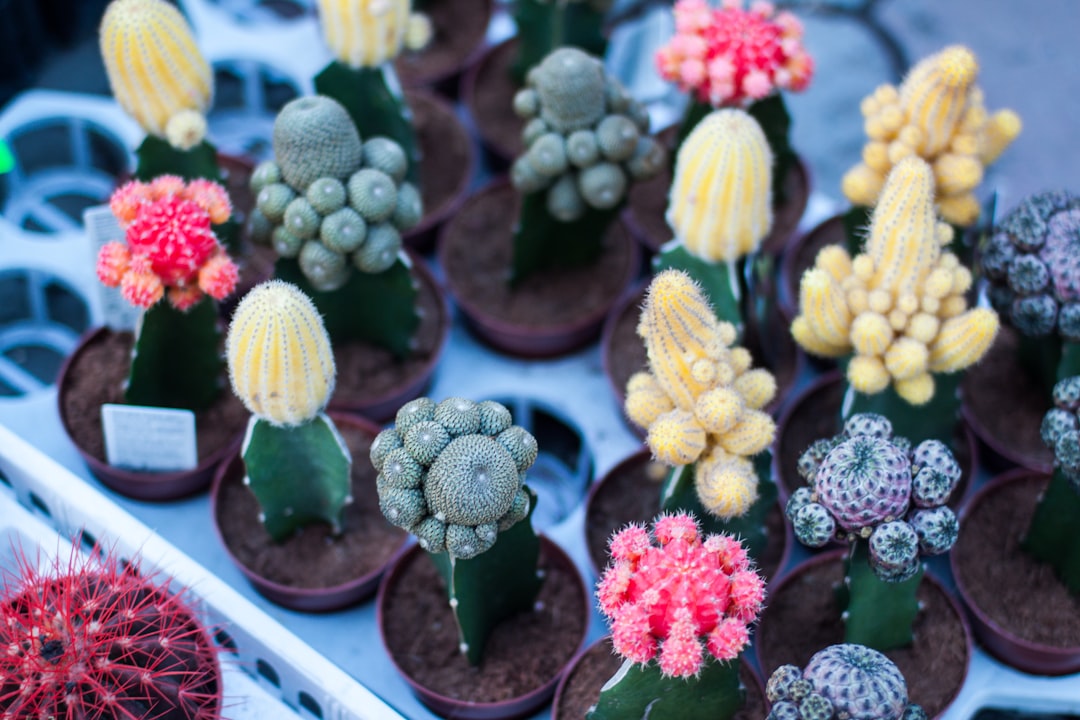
x: 937, y: 114
x: 156, y: 71
x: 280, y: 362
x: 700, y: 400
x: 721, y: 201
x: 367, y: 33
x: 900, y: 308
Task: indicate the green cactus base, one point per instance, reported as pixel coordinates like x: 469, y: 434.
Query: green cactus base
x: 936, y: 420
x: 856, y: 227
x: 724, y: 283
x: 543, y: 243
x: 641, y: 691
x: 376, y: 108
x: 1048, y: 359
x: 176, y: 361
x: 493, y: 586
x: 1052, y: 537
x: 679, y: 494
x: 544, y: 25
x: 878, y: 614
x: 379, y: 308
x: 300, y: 475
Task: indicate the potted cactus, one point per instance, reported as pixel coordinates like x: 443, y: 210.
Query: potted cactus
x: 1029, y: 263
x: 301, y: 545
x: 1023, y: 524
x: 458, y: 35
x: 172, y: 266
x: 81, y: 629
x: 841, y: 681
x: 453, y: 474
x: 334, y: 209
x: 585, y: 146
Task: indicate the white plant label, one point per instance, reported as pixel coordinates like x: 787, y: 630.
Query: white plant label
x: 102, y: 227
x: 149, y: 438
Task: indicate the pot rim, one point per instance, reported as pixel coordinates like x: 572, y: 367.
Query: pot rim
x: 459, y: 67
x: 470, y: 79
x: 787, y: 282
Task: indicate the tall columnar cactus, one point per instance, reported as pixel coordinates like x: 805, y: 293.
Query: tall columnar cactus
x: 937, y: 114
x: 1052, y: 536
x: 98, y: 639
x: 546, y: 25
x: 453, y: 473
x: 899, y: 308
x: 171, y: 264
x: 702, y: 405
x: 160, y: 78
x: 841, y: 682
x: 887, y: 500
x: 694, y: 623
x: 1032, y: 262
x: 282, y: 369
x: 334, y: 209
x: 731, y: 57
x: 586, y: 141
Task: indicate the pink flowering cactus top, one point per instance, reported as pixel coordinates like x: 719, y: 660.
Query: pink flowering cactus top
x: 680, y: 596
x: 169, y: 245
x: 730, y: 56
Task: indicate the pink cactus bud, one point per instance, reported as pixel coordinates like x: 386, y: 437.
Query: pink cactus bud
x: 217, y: 278
x: 211, y: 197
x: 630, y: 543
x: 727, y: 639
x: 113, y: 261
x: 164, y: 186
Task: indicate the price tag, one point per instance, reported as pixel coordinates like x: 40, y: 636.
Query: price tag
x: 149, y: 438
x: 102, y: 227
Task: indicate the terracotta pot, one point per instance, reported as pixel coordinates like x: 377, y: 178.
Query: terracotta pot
x: 530, y: 341
x: 444, y: 145
x: 599, y: 657
x: 995, y: 632
x: 150, y: 486
x: 815, y: 413
x: 306, y: 599
x: 940, y: 621
x: 640, y: 503
x: 518, y: 707
x: 385, y: 404
x: 487, y: 89
x: 800, y: 257
x: 460, y: 28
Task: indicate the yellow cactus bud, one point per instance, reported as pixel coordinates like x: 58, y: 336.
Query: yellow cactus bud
x: 902, y: 241
x: 998, y: 134
x: 867, y: 374
x: 945, y: 236
x: 645, y: 399
x: 907, y: 303
x: 834, y: 259
x: 886, y: 94
x: 721, y: 199
x: 957, y: 174
x: 952, y: 306
x: 935, y: 92
x: 962, y: 210
x: 719, y: 409
x: 898, y: 150
x: 870, y: 106
x: 917, y: 390
x: 911, y: 136
x: 923, y: 328
x: 726, y: 485
x: 862, y: 185
x: 821, y: 303
x: 939, y: 283
x: 757, y: 387
x: 809, y: 341
x: 741, y: 360
x: 964, y: 144
x: 898, y: 320
x: 281, y: 365
x: 418, y: 31
x: 871, y: 334
x: 753, y: 433
x: 364, y: 33
x: 906, y: 358
x: 155, y: 69
x: 876, y: 156
x: 880, y: 301
x: 675, y: 438
x: 858, y: 301
x: 961, y: 280
x: 963, y: 340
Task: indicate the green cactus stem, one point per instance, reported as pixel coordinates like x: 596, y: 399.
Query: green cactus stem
x: 1052, y: 536
x: 542, y: 242
x: 638, y: 691
x: 1048, y: 359
x: 856, y: 226
x: 544, y: 25
x: 176, y: 361
x: 493, y: 586
x: 936, y: 420
x: 374, y: 101
x: 876, y: 613
x: 276, y: 456
x: 723, y: 283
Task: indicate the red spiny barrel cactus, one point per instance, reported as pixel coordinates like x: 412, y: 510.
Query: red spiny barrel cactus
x: 97, y: 641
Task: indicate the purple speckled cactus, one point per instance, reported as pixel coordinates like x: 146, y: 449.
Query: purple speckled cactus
x: 1061, y: 429
x: 863, y: 481
x: 841, y: 682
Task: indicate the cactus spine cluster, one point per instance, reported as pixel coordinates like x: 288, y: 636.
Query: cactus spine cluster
x: 841, y: 682
x: 282, y: 368
x: 937, y: 114
x: 900, y: 305
x: 98, y: 639
x: 366, y: 33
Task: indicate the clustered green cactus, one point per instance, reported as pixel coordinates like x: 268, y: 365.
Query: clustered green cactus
x: 329, y: 199
x: 841, y: 682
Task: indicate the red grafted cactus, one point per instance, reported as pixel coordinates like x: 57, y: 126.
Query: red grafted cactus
x: 95, y: 639
x: 169, y: 243
x: 677, y: 595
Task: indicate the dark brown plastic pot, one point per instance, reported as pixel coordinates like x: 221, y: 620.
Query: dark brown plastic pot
x: 149, y: 486
x: 325, y: 599
x: 527, y: 341
x: 440, y: 64
x: 800, y: 256
x: 496, y: 124
x: 518, y: 707
x: 1002, y: 642
x: 795, y: 582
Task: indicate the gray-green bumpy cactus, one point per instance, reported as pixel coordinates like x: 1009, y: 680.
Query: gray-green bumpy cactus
x: 453, y: 473
x: 585, y: 138
x: 1061, y: 429
x: 330, y: 200
x: 841, y: 682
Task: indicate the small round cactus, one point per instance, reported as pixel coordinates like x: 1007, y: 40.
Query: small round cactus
x: 1061, y: 429
x: 314, y: 137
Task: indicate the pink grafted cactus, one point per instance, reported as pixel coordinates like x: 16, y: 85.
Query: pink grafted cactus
x: 728, y: 55
x: 679, y: 597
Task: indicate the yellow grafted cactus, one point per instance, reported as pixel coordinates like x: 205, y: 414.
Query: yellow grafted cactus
x: 937, y: 114
x: 721, y: 201
x: 900, y: 309
x: 700, y: 400
x: 367, y: 33
x: 155, y: 69
x: 281, y: 365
